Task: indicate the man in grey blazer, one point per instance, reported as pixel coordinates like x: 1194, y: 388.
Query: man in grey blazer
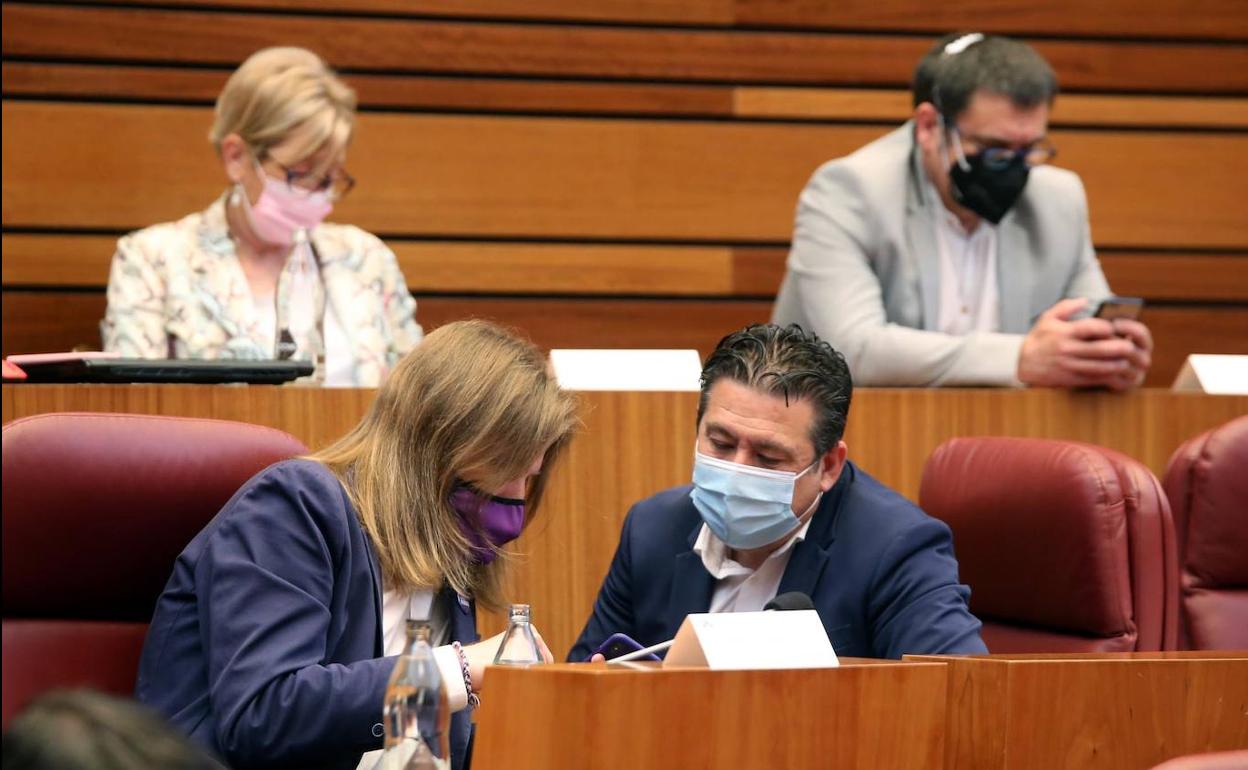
x: 947, y: 253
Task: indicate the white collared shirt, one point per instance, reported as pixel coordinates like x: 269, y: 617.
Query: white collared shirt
x: 737, y: 587
x: 968, y: 276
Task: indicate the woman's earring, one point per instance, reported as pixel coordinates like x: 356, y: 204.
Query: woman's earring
x: 236, y: 195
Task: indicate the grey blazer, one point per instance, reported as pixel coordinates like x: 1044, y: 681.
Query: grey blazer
x: 864, y: 268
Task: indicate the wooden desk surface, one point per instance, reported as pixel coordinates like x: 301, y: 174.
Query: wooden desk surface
x: 1108, y: 711
x: 615, y: 718
x: 635, y: 444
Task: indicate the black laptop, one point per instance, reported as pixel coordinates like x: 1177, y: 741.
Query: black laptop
x: 165, y: 370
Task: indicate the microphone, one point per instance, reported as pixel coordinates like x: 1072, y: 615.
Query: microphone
x: 793, y: 600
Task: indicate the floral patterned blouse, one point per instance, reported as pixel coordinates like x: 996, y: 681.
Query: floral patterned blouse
x: 177, y: 290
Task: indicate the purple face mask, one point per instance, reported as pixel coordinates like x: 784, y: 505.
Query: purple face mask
x: 487, y: 521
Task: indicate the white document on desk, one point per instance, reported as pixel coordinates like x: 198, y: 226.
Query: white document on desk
x: 1214, y: 374
x: 593, y: 369
x: 725, y: 641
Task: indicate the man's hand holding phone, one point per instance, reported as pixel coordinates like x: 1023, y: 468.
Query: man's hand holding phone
x: 1064, y: 350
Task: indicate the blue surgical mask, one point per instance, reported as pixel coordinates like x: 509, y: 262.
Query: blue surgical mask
x: 745, y: 506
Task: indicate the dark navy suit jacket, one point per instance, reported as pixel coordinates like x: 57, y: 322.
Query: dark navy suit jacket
x: 881, y: 574
x: 266, y: 644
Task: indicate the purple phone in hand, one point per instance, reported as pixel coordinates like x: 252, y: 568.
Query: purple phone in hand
x: 620, y: 644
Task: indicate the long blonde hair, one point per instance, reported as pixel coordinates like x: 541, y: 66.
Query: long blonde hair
x: 471, y: 401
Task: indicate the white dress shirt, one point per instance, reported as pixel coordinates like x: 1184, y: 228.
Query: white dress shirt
x: 737, y: 587
x: 968, y: 276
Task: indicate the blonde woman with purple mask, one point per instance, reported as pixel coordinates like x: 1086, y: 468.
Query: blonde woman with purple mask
x: 259, y: 274
x: 275, y: 637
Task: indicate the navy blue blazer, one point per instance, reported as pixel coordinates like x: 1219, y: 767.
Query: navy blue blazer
x: 266, y: 643
x: 881, y: 574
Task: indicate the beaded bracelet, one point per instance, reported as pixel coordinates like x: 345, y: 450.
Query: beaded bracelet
x: 474, y: 700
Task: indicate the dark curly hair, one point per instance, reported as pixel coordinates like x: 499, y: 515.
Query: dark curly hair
x: 790, y: 362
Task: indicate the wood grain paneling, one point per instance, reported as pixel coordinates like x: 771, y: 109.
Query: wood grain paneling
x: 661, y: 11
x: 40, y: 321
x: 354, y: 43
x: 1040, y: 712
x: 1192, y: 277
x: 1112, y: 18
x: 43, y: 321
x: 1069, y: 110
x: 605, y: 323
x: 613, y: 179
x: 1219, y: 19
x: 635, y: 444
x: 442, y: 266
x: 843, y: 718
x: 502, y: 268
x: 52, y: 260
x: 182, y: 85
x: 1180, y: 331
x: 1140, y: 186
x: 55, y: 260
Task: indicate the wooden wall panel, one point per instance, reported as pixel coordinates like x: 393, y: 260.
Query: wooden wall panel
x: 609, y: 323
x: 1190, y: 277
x: 546, y: 268
x: 1080, y: 110
x: 542, y: 177
x: 356, y: 43
x: 181, y: 86
x: 1219, y: 19
x: 43, y: 321
x: 1140, y: 186
x: 1181, y: 331
x: 40, y: 322
x: 1034, y: 712
x: 631, y: 11
x: 439, y: 267
x: 1109, y: 18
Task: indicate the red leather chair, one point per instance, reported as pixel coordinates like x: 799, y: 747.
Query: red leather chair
x: 1207, y: 482
x: 1067, y: 547
x: 96, y: 508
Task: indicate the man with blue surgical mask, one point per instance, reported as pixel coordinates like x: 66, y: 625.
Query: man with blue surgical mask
x: 775, y: 506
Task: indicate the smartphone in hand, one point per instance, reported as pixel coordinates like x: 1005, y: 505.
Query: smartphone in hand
x: 620, y: 644
x: 1113, y: 308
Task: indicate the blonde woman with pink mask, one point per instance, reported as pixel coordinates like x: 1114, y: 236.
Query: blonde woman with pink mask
x: 259, y: 274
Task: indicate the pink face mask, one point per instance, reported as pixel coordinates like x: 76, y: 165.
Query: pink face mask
x: 280, y: 212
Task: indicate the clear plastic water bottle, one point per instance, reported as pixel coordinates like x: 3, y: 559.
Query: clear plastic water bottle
x: 416, y: 713
x: 519, y: 647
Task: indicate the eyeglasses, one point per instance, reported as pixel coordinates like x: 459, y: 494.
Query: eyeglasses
x: 995, y: 157
x: 335, y: 185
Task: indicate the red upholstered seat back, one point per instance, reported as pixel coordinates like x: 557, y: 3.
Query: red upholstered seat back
x: 96, y: 508
x: 1207, y: 482
x: 1067, y: 547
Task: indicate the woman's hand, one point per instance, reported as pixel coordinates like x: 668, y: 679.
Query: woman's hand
x: 482, y: 654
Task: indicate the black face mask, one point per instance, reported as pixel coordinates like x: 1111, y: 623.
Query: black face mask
x: 988, y: 191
